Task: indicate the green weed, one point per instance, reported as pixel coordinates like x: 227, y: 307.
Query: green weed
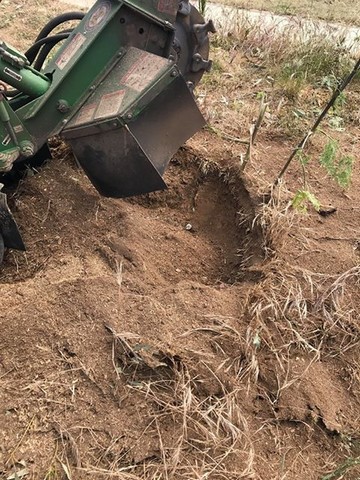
x: 283, y: 9
x: 342, y: 469
x: 338, y: 168
x: 304, y: 198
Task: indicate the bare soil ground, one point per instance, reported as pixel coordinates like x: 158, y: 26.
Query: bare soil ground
x: 134, y: 348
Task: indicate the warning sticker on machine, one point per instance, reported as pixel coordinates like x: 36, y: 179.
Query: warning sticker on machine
x: 70, y: 51
x: 99, y: 15
x: 86, y: 114
x: 168, y: 6
x: 110, y: 104
x: 144, y: 71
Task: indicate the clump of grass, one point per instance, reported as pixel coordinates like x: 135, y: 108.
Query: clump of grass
x: 296, y: 69
x: 212, y: 428
x: 202, y: 6
x: 310, y: 63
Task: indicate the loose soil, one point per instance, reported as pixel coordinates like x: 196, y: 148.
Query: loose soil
x: 195, y: 333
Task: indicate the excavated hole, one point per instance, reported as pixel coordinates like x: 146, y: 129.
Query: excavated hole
x: 215, y: 213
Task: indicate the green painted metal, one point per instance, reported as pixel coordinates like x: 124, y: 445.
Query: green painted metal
x: 86, y: 59
x: 162, y: 10
x: 21, y: 76
x: 49, y: 100
x: 15, y: 142
x: 123, y: 96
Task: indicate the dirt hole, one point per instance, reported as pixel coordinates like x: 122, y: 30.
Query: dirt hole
x: 216, y: 211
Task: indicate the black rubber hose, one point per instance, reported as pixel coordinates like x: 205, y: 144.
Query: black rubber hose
x: 55, y: 22
x: 45, y: 50
x: 34, y: 50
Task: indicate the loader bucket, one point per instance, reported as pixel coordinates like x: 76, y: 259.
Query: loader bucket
x: 125, y: 157
x: 8, y: 228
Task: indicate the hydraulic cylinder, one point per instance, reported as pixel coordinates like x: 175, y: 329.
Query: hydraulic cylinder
x: 15, y: 72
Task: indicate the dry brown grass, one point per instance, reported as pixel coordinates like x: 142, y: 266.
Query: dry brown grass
x: 296, y: 310
x: 199, y: 435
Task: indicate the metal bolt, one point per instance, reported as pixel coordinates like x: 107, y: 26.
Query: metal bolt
x: 174, y: 73
x: 63, y: 106
x: 129, y: 116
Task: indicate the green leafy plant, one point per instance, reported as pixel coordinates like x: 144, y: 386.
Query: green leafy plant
x: 338, y: 168
x: 302, y: 199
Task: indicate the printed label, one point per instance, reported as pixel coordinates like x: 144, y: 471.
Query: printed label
x: 143, y: 71
x: 86, y: 114
x: 13, y: 74
x: 168, y: 6
x: 99, y: 16
x: 69, y: 52
x: 110, y: 104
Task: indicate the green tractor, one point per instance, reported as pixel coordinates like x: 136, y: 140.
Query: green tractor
x: 118, y: 89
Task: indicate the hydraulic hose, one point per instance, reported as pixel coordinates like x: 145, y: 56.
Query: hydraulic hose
x: 45, y: 50
x: 55, y: 22
x: 34, y: 49
x: 44, y: 39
